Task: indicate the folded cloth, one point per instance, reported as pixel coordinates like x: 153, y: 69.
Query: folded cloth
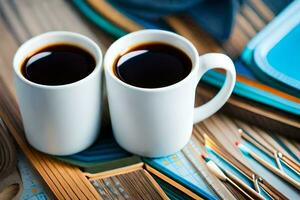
x: 215, y: 16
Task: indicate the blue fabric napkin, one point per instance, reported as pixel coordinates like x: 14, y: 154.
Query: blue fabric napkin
x: 217, y: 17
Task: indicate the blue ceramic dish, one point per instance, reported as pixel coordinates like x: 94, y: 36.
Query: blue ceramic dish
x: 273, y: 54
x: 279, y: 54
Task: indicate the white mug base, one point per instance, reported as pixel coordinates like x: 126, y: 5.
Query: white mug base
x: 61, y: 151
x: 156, y: 152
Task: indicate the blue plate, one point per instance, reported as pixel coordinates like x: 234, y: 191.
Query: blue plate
x: 279, y: 54
x: 273, y: 54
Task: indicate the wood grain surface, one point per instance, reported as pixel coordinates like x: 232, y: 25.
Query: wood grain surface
x: 23, y: 19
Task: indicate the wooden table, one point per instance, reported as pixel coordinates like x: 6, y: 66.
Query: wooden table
x: 23, y: 19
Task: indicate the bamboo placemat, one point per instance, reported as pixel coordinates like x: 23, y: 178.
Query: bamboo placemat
x: 127, y: 182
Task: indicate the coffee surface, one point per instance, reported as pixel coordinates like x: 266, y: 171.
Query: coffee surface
x: 58, y: 64
x: 152, y: 65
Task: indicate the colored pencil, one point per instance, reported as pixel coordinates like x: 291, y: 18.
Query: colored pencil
x: 193, y: 156
x: 276, y: 171
x: 219, y: 149
x: 225, y: 175
x: 172, y: 182
x: 272, y: 152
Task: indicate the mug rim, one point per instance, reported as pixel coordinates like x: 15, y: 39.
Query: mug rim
x: 17, y: 61
x: 109, y: 68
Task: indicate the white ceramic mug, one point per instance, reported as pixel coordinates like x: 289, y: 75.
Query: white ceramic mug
x: 63, y: 119
x: 158, y: 122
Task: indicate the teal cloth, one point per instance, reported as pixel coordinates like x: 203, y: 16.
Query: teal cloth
x: 214, y: 16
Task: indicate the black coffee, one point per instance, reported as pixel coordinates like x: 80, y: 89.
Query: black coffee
x: 152, y: 65
x: 58, y: 64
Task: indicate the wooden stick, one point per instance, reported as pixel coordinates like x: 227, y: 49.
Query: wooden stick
x: 218, y: 130
x: 235, y: 179
x: 60, y: 179
x: 290, y: 163
x: 67, y: 176
x: 114, y: 172
x: 260, y: 136
x: 73, y: 174
x: 269, y: 166
x: 270, y: 140
x: 158, y: 188
x: 243, y: 185
x: 237, y: 165
x: 255, y: 143
x: 214, y: 168
x: 172, y: 182
x: 210, y: 178
x: 283, y: 119
x: 265, y: 147
x: 290, y: 146
x: 255, y: 113
x: 51, y: 182
x: 239, y: 188
x: 83, y: 181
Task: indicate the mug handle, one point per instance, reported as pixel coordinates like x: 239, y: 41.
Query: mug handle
x: 211, y: 61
